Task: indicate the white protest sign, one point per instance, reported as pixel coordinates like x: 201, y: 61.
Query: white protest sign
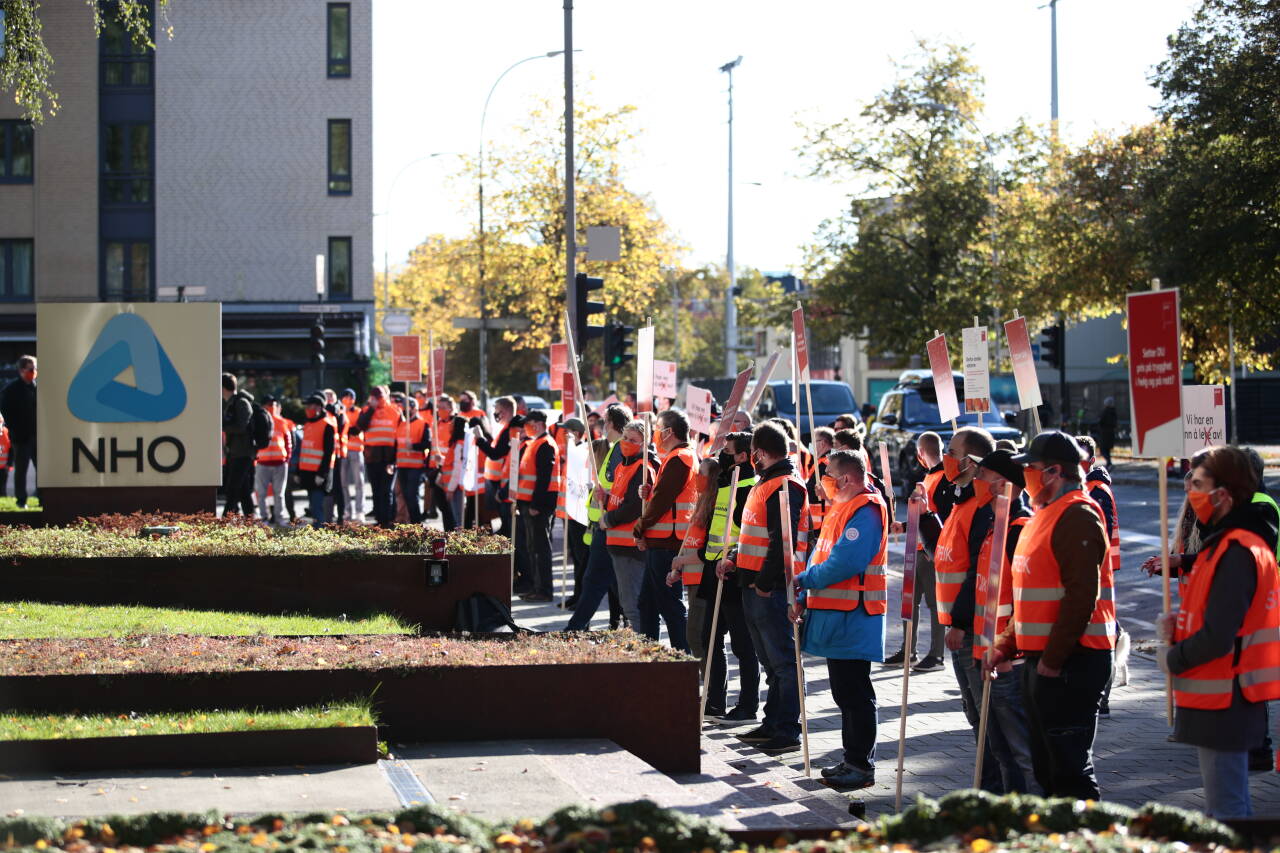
x: 577, y: 482
x: 698, y: 406
x: 664, y: 379
x: 644, y: 369
x: 1204, y: 418
x: 977, y: 369
x: 469, y: 459
x: 944, y: 388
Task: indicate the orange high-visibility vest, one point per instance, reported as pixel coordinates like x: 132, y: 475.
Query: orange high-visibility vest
x: 932, y: 482
x: 694, y: 539
x: 753, y: 540
x: 523, y: 490
x: 355, y: 441
x: 340, y: 437
x: 5, y: 444
x: 1004, y: 611
x: 277, y: 452
x: 442, y: 447
x: 869, y: 588
x: 409, y: 433
x: 1209, y: 685
x: 620, y: 536
x: 675, y: 521
x: 1113, y: 552
x: 382, y: 426
x: 1037, y: 583
x: 818, y: 509
x: 311, y: 456
x: 951, y: 556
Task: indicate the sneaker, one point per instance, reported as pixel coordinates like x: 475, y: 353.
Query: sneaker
x: 737, y: 717
x: 929, y: 663
x: 852, y: 780
x: 1104, y: 711
x: 896, y: 658
x: 756, y: 735
x: 836, y: 770
x: 778, y: 745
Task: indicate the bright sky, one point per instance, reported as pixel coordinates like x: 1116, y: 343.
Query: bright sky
x: 815, y: 60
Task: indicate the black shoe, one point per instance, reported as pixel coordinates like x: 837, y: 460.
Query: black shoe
x: 838, y: 770
x: 737, y: 717
x: 896, y: 658
x: 1260, y: 759
x: 756, y: 735
x: 928, y: 664
x: 778, y: 746
x: 537, y: 598
x: 522, y: 589
x: 714, y: 715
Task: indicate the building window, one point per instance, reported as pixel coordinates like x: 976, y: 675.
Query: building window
x: 17, y: 152
x: 126, y: 275
x: 17, y: 270
x: 339, y: 40
x: 126, y: 164
x: 339, y: 267
x: 339, y: 156
x: 125, y: 64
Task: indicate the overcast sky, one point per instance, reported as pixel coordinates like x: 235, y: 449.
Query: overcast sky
x: 815, y: 60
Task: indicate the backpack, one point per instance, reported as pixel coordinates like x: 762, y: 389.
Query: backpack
x: 484, y: 614
x: 261, y: 427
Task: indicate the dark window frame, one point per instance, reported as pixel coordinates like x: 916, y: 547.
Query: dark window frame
x: 8, y: 131
x: 6, y: 267
x: 330, y: 291
x: 337, y: 179
x: 128, y: 176
x: 336, y: 68
x: 150, y: 294
x: 127, y: 60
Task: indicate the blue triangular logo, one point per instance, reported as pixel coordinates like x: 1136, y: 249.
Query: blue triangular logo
x: 157, y: 393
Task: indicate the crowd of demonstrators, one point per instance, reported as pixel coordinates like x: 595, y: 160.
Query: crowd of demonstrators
x: 18, y: 409
x: 937, y: 498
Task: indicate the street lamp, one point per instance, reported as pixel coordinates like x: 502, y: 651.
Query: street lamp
x: 730, y: 307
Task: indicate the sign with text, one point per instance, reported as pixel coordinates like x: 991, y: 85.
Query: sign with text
x: 909, y: 558
x: 1204, y: 418
x: 724, y: 426
x: 1024, y: 363
x: 644, y: 369
x: 664, y: 379
x: 129, y: 394
x: 577, y: 481
x: 559, y: 364
x: 801, y: 343
x: 406, y: 358
x: 1155, y: 373
x: 977, y: 369
x: 943, y: 385
x: 568, y: 398
x: 437, y: 370
x: 697, y: 402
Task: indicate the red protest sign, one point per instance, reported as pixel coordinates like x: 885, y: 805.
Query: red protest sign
x: 1024, y: 363
x: 406, y: 358
x: 723, y: 426
x: 1155, y: 373
x: 437, y: 370
x: 801, y: 344
x: 568, y: 396
x: 943, y: 385
x: 909, y: 561
x: 989, y: 577
x: 664, y: 379
x: 559, y: 364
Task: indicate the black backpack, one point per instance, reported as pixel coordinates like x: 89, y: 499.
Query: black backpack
x: 484, y: 614
x: 261, y: 427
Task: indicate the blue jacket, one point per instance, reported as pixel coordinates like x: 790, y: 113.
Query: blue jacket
x: 840, y: 634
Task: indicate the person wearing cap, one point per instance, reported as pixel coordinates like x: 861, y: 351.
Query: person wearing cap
x: 353, y: 464
x: 316, y: 458
x: 535, y: 494
x: 1007, y: 720
x: 271, y: 471
x: 237, y: 412
x: 1063, y: 617
x: 377, y: 425
x: 413, y: 443
x: 335, y: 508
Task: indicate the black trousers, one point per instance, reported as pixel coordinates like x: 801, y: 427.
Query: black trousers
x: 537, y: 532
x: 238, y: 486
x: 733, y: 623
x: 1062, y: 716
x: 24, y: 456
x: 855, y: 696
x: 579, y: 553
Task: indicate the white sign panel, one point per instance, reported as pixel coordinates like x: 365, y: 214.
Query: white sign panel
x: 129, y: 394
x: 664, y: 379
x: 644, y: 369
x: 1204, y: 418
x: 396, y: 324
x: 698, y: 405
x: 577, y: 482
x: 604, y: 243
x: 977, y: 369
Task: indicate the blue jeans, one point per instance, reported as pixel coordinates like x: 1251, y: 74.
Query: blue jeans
x: 1008, y: 734
x: 315, y: 500
x: 629, y: 571
x: 658, y: 598
x: 384, y: 502
x: 970, y: 681
x: 410, y: 485
x: 1226, y: 783
x: 774, y: 643
x: 596, y: 581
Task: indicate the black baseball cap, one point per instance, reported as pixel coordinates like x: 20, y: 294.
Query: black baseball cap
x: 268, y: 398
x: 1001, y: 461
x: 316, y: 400
x: 1052, y: 448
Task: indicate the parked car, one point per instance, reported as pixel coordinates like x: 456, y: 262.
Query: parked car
x: 830, y: 399
x: 911, y: 408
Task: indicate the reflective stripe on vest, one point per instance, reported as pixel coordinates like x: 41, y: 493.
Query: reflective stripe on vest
x: 951, y: 556
x: 715, y: 535
x: 311, y: 456
x: 694, y: 539
x: 5, y: 444
x: 382, y: 426
x: 753, y: 541
x: 675, y: 521
x: 620, y: 536
x: 1037, y: 582
x: 593, y: 510
x: 408, y: 434
x: 355, y: 441
x: 275, y: 453
x: 528, y: 479
x: 1257, y: 666
x: 869, y: 588
x: 1005, y: 609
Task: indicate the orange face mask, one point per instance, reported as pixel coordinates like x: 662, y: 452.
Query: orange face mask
x: 530, y: 430
x: 630, y: 448
x: 829, y: 486
x: 1035, y: 482
x: 951, y: 467
x: 1201, y: 505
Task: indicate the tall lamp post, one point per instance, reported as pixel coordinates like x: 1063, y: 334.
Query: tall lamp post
x: 730, y: 306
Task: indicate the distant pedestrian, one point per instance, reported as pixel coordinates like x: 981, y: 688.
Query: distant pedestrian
x: 237, y: 411
x: 353, y: 464
x: 6, y: 458
x: 18, y: 406
x: 1107, y: 423
x: 377, y: 425
x: 271, y: 468
x: 535, y: 494
x: 413, y: 443
x: 318, y: 454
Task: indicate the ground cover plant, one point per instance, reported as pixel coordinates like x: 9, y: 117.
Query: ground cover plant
x: 189, y: 654
x: 999, y: 823
x: 207, y: 535
x: 11, y: 505
x: 25, y: 619
x: 16, y: 726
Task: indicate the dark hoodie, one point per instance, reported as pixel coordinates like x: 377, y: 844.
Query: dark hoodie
x: 237, y: 411
x: 1103, y: 476
x: 771, y: 577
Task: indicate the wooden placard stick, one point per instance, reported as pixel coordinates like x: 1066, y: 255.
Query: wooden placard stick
x: 715, y: 610
x: 915, y: 505
x: 999, y: 534
x: 788, y: 564
x: 1164, y: 574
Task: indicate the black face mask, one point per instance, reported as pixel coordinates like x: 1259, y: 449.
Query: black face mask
x: 726, y: 461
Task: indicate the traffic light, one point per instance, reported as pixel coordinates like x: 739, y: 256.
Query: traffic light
x: 1051, y: 352
x: 584, y: 331
x: 617, y: 343
x: 317, y: 343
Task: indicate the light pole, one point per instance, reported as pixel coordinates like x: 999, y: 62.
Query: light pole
x: 730, y: 307
x: 1053, y: 69
x: 484, y: 332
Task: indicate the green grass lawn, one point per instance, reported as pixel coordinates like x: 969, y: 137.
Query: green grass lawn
x: 24, y: 619
x: 11, y: 505
x: 55, y: 726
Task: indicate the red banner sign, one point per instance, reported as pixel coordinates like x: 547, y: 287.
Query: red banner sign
x: 1155, y: 373
x: 406, y: 358
x: 909, y: 561
x: 1024, y: 363
x: 559, y: 364
x: 943, y: 384
x: 568, y: 398
x: 437, y: 370
x: 802, y: 342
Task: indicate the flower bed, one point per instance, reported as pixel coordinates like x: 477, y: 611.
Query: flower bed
x: 639, y: 826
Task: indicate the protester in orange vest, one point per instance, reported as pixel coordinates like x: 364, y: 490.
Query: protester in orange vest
x: 413, y: 443
x: 448, y: 436
x: 687, y: 568
x: 663, y: 526
x: 1097, y: 482
x: 1063, y: 617
x: 622, y: 510
x: 5, y: 456
x: 315, y: 461
x: 535, y: 495
x: 1007, y: 720
x: 1223, y: 641
x: 843, y: 595
x: 822, y: 438
x: 353, y: 464
x: 495, y: 448
x: 377, y: 425
x: 271, y: 470
x: 763, y: 572
x: 938, y: 498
